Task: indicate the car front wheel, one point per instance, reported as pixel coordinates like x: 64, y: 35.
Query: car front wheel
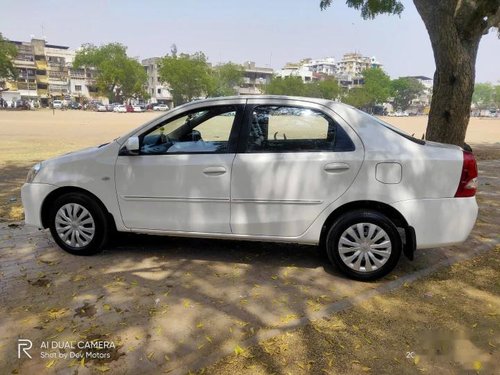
x: 78, y: 224
x: 364, y: 244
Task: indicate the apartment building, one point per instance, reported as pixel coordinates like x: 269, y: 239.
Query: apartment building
x: 254, y: 78
x: 159, y: 91
x: 354, y: 63
x: 45, y: 72
x: 351, y: 66
x: 300, y: 69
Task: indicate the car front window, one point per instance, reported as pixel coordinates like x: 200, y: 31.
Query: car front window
x: 201, y: 131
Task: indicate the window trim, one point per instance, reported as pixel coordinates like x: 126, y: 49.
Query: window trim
x: 247, y: 120
x: 233, y: 134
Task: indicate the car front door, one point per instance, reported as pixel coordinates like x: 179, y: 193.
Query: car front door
x: 295, y: 158
x: 180, y: 180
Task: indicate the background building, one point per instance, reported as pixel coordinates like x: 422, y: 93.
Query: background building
x: 254, y: 79
x: 348, y: 71
x: 159, y: 91
x: 422, y: 104
x: 45, y: 72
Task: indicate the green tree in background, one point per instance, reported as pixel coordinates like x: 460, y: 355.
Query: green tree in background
x: 293, y: 86
x: 325, y: 89
x: 189, y: 76
x: 8, y: 52
x: 404, y: 90
x: 455, y: 28
x: 484, y: 95
x: 496, y: 96
x: 118, y: 76
x: 226, y: 79
x: 358, y: 97
x: 377, y: 86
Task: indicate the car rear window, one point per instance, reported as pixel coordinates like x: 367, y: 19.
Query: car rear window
x: 393, y: 128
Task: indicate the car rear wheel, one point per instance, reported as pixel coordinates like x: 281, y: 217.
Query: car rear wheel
x: 364, y: 244
x: 78, y: 224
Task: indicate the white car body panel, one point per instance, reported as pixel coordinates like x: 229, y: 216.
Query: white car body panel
x: 91, y: 169
x: 33, y: 196
x: 187, y: 194
x: 272, y: 197
x: 439, y: 222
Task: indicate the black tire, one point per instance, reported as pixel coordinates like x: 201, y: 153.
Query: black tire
x: 346, y: 221
x: 101, y: 225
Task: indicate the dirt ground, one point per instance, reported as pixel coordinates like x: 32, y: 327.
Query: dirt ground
x: 445, y: 324
x: 176, y: 305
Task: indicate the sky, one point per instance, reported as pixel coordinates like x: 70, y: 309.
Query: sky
x: 271, y: 33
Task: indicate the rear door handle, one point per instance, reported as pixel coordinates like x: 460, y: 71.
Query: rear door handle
x: 214, y: 171
x: 336, y: 167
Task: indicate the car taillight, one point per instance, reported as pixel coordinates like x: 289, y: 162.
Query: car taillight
x: 468, y: 180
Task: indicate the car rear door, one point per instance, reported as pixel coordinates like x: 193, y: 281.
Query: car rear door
x: 294, y: 159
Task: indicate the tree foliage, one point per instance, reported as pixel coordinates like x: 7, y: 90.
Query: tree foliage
x: 8, y: 52
x: 377, y: 86
x: 358, y: 97
x: 189, y: 76
x: 326, y: 89
x: 455, y: 28
x: 294, y: 86
x: 371, y: 8
x: 485, y: 95
x: 118, y: 76
x: 404, y: 91
x: 226, y: 78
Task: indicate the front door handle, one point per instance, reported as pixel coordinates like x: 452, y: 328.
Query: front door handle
x: 214, y: 171
x: 336, y: 167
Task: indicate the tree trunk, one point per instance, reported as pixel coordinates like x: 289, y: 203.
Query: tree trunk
x: 455, y: 43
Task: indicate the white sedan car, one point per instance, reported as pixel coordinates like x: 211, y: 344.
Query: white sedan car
x: 263, y: 168
x: 101, y: 107
x: 138, y: 108
x: 120, y: 108
x: 160, y: 107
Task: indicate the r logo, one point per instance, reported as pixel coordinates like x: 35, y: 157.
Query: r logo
x: 23, y: 345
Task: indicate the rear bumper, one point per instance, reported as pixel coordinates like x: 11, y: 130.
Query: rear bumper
x: 439, y: 222
x: 33, y: 196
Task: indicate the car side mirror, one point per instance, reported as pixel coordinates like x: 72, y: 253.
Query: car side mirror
x: 132, y: 145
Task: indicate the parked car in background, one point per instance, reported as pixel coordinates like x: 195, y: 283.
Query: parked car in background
x: 120, y: 108
x: 161, y: 107
x: 129, y: 107
x: 138, y: 108
x: 22, y: 105
x: 101, y: 107
x: 74, y: 105
x: 264, y: 168
x: 150, y: 106
x: 57, y: 104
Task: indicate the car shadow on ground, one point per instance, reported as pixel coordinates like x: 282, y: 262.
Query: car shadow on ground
x: 225, y: 251
x: 279, y: 255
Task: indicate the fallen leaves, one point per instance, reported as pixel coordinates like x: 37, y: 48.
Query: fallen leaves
x: 238, y: 350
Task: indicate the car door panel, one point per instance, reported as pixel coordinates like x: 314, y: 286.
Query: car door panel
x: 180, y: 181
x: 282, y: 193
x: 157, y: 193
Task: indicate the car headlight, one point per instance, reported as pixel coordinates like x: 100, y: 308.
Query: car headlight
x: 33, y: 172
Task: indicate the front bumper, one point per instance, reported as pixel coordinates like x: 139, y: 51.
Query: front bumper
x: 439, y: 222
x: 33, y: 196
